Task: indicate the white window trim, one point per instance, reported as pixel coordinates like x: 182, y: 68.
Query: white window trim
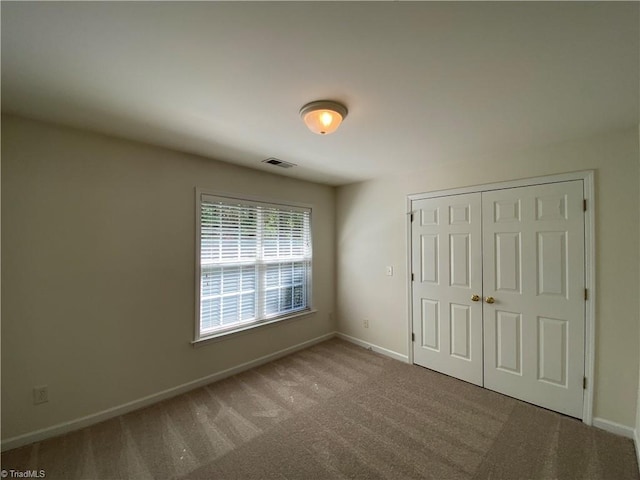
x: 271, y: 322
x: 217, y: 336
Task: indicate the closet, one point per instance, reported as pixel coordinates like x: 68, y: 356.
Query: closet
x: 498, y: 290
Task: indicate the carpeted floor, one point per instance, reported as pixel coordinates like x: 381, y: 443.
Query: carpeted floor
x: 334, y: 411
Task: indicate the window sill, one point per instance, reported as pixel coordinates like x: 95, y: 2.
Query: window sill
x: 217, y: 337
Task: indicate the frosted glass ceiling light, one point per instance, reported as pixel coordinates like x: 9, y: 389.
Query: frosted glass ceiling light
x: 323, y: 116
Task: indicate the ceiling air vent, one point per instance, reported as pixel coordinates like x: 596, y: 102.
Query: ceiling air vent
x: 278, y: 163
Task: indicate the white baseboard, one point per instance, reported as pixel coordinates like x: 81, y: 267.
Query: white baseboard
x: 614, y: 427
x: 94, y: 418
x: 375, y: 348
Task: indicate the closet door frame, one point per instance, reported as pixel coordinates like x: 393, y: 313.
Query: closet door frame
x: 588, y: 180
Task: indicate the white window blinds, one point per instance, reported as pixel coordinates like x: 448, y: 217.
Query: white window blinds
x: 255, y: 262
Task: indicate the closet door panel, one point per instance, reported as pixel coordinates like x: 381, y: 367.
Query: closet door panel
x: 533, y: 239
x: 446, y: 249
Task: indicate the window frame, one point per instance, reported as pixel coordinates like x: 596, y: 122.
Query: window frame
x: 200, y: 195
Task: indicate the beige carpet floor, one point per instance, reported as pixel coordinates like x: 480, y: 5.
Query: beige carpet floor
x: 334, y: 411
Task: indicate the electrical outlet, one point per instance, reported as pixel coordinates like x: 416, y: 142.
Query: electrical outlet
x: 40, y: 394
x: 365, y: 323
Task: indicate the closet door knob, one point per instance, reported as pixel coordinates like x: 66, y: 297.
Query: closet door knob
x: 475, y: 298
x: 490, y: 300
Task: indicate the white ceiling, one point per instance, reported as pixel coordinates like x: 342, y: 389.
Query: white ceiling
x: 425, y: 83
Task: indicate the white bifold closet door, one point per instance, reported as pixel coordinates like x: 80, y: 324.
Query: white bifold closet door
x: 447, y: 271
x: 498, y: 291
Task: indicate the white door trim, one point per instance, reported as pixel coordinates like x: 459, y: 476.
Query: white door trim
x: 588, y: 178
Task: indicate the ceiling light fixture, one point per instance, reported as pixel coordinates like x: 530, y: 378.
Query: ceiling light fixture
x: 323, y: 116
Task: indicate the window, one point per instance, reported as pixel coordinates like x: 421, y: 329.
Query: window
x: 253, y: 263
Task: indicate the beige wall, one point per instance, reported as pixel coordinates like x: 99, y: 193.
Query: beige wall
x: 98, y: 271
x: 637, y: 426
x: 371, y: 233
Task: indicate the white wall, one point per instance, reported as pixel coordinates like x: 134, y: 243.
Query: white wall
x: 371, y: 233
x: 98, y: 271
